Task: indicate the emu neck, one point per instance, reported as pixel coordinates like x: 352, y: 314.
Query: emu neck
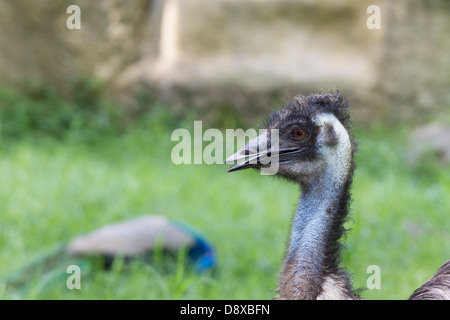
x: 313, y: 220
x: 313, y: 256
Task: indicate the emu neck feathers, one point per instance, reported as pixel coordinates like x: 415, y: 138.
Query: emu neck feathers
x: 313, y: 221
x: 313, y: 257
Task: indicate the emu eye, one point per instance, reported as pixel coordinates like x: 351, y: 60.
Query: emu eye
x: 298, y: 134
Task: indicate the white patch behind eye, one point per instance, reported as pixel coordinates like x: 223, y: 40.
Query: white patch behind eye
x: 337, y: 156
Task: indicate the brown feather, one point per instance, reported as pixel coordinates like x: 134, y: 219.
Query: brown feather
x: 437, y: 287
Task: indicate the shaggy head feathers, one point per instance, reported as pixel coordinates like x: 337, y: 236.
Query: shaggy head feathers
x: 306, y: 107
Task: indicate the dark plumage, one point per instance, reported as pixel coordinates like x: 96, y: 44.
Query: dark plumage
x: 315, y: 149
x: 437, y: 287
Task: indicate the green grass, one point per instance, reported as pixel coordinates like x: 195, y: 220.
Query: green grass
x: 52, y: 190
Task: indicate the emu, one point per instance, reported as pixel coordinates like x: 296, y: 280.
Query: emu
x: 316, y: 151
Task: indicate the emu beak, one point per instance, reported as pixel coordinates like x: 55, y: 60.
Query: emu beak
x: 253, y: 152
x: 262, y: 152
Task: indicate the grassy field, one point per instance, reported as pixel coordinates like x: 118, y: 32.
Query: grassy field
x: 52, y: 190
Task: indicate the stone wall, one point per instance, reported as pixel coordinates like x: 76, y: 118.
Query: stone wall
x: 230, y: 56
x: 36, y: 43
x: 247, y: 57
x: 414, y: 72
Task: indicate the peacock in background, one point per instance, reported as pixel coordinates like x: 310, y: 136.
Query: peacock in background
x: 153, y: 239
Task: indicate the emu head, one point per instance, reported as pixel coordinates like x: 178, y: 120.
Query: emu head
x: 306, y: 138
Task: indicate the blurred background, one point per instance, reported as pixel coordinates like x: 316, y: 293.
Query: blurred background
x: 86, y: 117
